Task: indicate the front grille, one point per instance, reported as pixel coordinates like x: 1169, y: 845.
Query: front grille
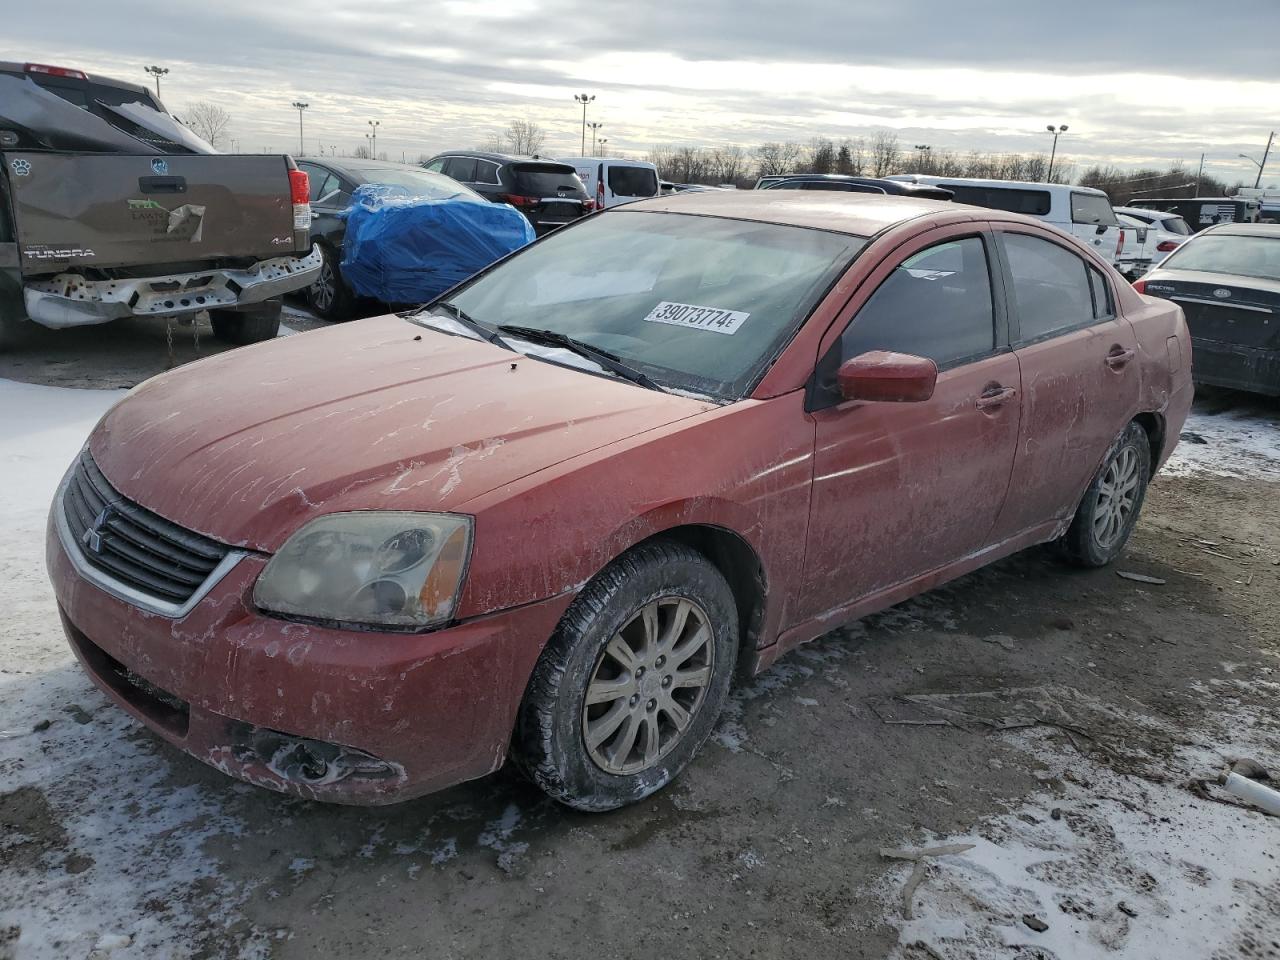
x: 133, y: 545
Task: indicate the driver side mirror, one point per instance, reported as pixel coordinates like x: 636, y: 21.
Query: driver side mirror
x: 885, y: 376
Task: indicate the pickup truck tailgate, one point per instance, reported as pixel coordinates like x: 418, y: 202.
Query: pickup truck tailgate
x: 108, y: 210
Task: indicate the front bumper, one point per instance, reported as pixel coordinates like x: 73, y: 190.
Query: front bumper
x: 328, y: 714
x: 1219, y: 363
x: 69, y: 300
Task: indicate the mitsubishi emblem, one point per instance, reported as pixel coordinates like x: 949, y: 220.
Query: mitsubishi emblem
x: 93, y: 536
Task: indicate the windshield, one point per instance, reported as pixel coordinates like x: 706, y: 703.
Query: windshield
x: 696, y: 303
x: 420, y: 183
x: 1228, y: 253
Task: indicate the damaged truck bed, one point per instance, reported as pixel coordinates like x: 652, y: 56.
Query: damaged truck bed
x: 110, y: 207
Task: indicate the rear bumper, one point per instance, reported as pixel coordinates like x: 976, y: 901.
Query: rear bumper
x: 69, y: 300
x: 1222, y: 364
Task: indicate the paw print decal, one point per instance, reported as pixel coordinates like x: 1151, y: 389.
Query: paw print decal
x: 21, y: 167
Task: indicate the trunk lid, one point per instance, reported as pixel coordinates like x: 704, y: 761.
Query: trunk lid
x: 1239, y: 310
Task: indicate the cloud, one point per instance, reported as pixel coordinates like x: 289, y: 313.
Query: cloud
x: 1152, y: 85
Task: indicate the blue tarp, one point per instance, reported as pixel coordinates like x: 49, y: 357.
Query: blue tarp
x: 400, y: 248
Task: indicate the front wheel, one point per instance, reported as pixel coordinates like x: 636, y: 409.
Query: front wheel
x: 632, y: 682
x: 1107, y: 513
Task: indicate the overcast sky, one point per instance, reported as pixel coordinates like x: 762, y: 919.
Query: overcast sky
x: 1137, y: 82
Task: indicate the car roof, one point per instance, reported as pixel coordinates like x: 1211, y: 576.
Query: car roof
x: 348, y: 165
x: 979, y: 182
x: 495, y: 157
x: 1243, y: 230
x: 859, y: 214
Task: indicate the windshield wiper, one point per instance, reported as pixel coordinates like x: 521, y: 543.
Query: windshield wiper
x: 475, y: 326
x: 609, y: 361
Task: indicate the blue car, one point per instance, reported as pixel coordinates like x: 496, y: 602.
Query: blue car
x: 397, y: 234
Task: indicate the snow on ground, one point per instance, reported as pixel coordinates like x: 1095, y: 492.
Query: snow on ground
x: 1125, y: 864
x: 99, y: 853
x: 1241, y: 444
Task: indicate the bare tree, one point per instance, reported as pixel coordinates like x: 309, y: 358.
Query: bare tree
x: 775, y: 158
x: 361, y: 152
x: 208, y: 121
x: 886, y: 154
x: 525, y: 136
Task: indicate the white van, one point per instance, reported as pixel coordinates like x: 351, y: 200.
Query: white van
x: 612, y: 181
x: 1084, y: 212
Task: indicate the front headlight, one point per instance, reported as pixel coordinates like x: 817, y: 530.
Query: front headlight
x: 379, y: 568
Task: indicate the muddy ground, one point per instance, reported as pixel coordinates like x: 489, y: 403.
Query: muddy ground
x: 768, y: 845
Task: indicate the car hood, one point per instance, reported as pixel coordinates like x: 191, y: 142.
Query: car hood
x: 381, y: 414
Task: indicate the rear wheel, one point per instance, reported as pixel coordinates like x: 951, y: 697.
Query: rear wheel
x: 1107, y: 513
x: 248, y: 326
x: 330, y: 297
x: 632, y: 682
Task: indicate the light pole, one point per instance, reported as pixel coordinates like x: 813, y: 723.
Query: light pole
x: 603, y: 141
x: 373, y: 143
x: 368, y: 141
x: 300, y: 106
x: 595, y: 125
x: 156, y: 72
x: 1057, y: 132
x: 584, y: 99
x: 924, y: 152
x: 1266, y: 153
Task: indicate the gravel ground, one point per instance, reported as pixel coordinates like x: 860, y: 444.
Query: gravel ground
x: 967, y: 716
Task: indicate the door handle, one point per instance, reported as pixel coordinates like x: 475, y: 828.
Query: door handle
x: 995, y: 397
x: 1118, y: 357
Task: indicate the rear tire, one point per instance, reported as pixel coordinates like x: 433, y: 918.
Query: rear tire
x: 248, y: 326
x: 652, y: 641
x: 1110, y: 507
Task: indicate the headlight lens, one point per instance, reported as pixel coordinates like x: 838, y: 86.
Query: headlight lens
x: 380, y: 568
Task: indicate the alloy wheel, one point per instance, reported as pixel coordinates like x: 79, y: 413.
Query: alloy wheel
x: 1116, y: 495
x: 324, y: 290
x: 647, y: 685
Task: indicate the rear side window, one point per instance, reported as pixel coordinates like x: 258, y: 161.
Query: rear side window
x: 486, y: 172
x: 1034, y: 203
x: 935, y: 304
x: 1052, y: 291
x: 462, y: 169
x: 547, y: 180
x: 1102, y: 307
x: 1092, y: 208
x: 1176, y: 225
x: 633, y: 181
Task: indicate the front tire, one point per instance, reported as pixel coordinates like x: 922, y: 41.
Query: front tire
x: 1109, y: 510
x: 631, y: 684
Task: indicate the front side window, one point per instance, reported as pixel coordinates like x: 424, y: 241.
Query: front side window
x: 696, y: 303
x: 1052, y: 292
x: 935, y: 304
x: 1092, y: 208
x: 435, y: 166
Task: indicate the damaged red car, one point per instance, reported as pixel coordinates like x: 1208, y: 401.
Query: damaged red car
x: 550, y: 516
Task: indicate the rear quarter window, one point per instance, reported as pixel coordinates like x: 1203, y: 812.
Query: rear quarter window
x: 1033, y: 203
x: 633, y: 182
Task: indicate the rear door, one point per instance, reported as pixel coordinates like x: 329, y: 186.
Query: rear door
x: 149, y: 210
x: 1080, y: 378
x: 626, y: 182
x: 901, y: 489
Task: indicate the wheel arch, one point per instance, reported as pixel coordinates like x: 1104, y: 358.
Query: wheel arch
x: 1154, y: 426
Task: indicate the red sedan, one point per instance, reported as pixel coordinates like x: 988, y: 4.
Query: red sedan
x: 550, y: 515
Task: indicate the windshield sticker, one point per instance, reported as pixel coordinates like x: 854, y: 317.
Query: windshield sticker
x: 700, y: 318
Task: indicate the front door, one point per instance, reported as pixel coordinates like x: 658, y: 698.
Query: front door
x: 901, y: 489
x: 1079, y: 375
